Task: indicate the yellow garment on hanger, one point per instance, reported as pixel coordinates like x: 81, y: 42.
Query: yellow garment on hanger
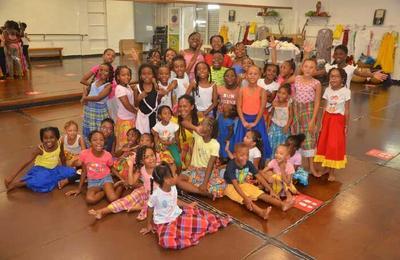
x: 253, y: 28
x: 386, y: 53
x: 223, y: 31
x: 337, y: 34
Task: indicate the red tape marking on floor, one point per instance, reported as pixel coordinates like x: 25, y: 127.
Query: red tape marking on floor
x: 380, y: 154
x: 306, y: 203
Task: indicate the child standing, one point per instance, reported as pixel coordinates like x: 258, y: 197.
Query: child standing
x: 137, y: 200
x: 96, y: 166
x: 126, y: 111
x: 271, y: 72
x: 45, y: 174
x: 108, y: 57
x: 281, y: 117
x: 166, y: 134
x: 228, y: 93
x: 13, y: 51
x: 146, y: 97
x: 177, y: 228
x: 95, y: 100
x: 240, y: 53
x: 169, y: 55
x: 331, y: 148
x: 193, y: 55
x: 247, y: 63
x: 307, y: 99
x: 203, y: 90
x: 180, y: 83
x: 239, y: 174
x: 202, y: 176
x: 25, y: 44
x: 226, y: 128
x: 250, y: 105
x: 163, y: 82
x: 72, y: 143
x: 217, y: 70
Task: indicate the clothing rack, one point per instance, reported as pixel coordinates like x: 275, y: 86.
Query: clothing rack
x: 357, y: 26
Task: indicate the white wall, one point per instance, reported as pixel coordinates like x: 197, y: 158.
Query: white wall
x: 69, y: 17
x: 249, y: 14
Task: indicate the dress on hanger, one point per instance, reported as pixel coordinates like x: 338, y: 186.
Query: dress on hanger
x: 324, y: 44
x: 386, y: 53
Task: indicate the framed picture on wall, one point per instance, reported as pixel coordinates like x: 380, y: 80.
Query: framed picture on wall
x: 232, y: 16
x: 379, y: 16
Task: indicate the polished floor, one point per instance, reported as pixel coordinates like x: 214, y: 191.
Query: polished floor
x: 359, y: 217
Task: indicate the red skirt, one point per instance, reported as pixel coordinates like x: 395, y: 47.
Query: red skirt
x: 187, y: 229
x: 331, y: 147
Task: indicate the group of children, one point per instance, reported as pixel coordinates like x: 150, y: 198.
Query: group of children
x: 241, y: 136
x: 14, y: 56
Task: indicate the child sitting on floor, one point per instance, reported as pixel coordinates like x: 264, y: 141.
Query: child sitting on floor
x: 72, y: 143
x: 294, y: 142
x: 279, y: 173
x: 238, y: 176
x: 202, y: 176
x: 96, y: 163
x: 45, y: 174
x: 176, y: 227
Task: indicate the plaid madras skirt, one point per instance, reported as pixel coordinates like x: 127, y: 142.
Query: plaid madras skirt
x: 138, y: 197
x: 188, y: 228
x: 121, y: 128
x: 276, y: 136
x: 302, y: 115
x: 93, y: 114
x: 216, y: 184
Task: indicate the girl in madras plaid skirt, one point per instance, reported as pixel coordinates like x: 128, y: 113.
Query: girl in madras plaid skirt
x: 281, y: 117
x: 307, y: 98
x: 94, y: 99
x: 178, y: 224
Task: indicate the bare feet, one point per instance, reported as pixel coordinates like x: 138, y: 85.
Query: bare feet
x: 265, y: 213
x: 287, y: 204
x: 95, y: 213
x: 331, y: 177
x: 62, y: 183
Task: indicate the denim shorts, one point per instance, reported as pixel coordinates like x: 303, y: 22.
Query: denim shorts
x: 99, y: 182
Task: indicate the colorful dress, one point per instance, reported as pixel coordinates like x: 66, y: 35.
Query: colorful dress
x: 46, y: 173
x: 178, y: 228
x: 185, y: 143
x: 279, y: 120
x: 125, y: 118
x: 202, y: 153
x: 94, y: 112
x: 250, y: 107
x: 303, y: 112
x: 138, y: 197
x: 331, y: 148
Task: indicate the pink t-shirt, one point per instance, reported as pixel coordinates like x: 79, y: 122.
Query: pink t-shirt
x: 227, y: 96
x: 114, y: 84
x: 188, y: 57
x: 97, y: 167
x: 304, y: 93
x: 146, y: 179
x: 296, y: 159
x: 273, y: 164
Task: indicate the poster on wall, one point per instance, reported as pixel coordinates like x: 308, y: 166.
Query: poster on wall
x: 174, y: 18
x: 173, y: 42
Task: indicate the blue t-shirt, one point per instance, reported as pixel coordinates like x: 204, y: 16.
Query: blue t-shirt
x: 234, y: 172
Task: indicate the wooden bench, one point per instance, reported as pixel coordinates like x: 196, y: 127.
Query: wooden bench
x: 47, y: 52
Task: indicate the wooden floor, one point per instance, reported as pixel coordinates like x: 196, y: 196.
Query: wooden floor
x: 359, y: 219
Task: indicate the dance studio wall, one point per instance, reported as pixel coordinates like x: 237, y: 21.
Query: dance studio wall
x: 105, y: 22
x: 350, y: 12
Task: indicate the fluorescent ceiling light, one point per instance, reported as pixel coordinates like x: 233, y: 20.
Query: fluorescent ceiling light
x: 213, y: 7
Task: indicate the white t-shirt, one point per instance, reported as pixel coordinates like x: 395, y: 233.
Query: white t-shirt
x: 254, y: 153
x: 336, y: 100
x: 181, y: 87
x: 165, y: 205
x: 165, y: 100
x: 204, y: 99
x: 273, y: 86
x: 166, y: 132
x: 349, y: 71
x: 122, y: 113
